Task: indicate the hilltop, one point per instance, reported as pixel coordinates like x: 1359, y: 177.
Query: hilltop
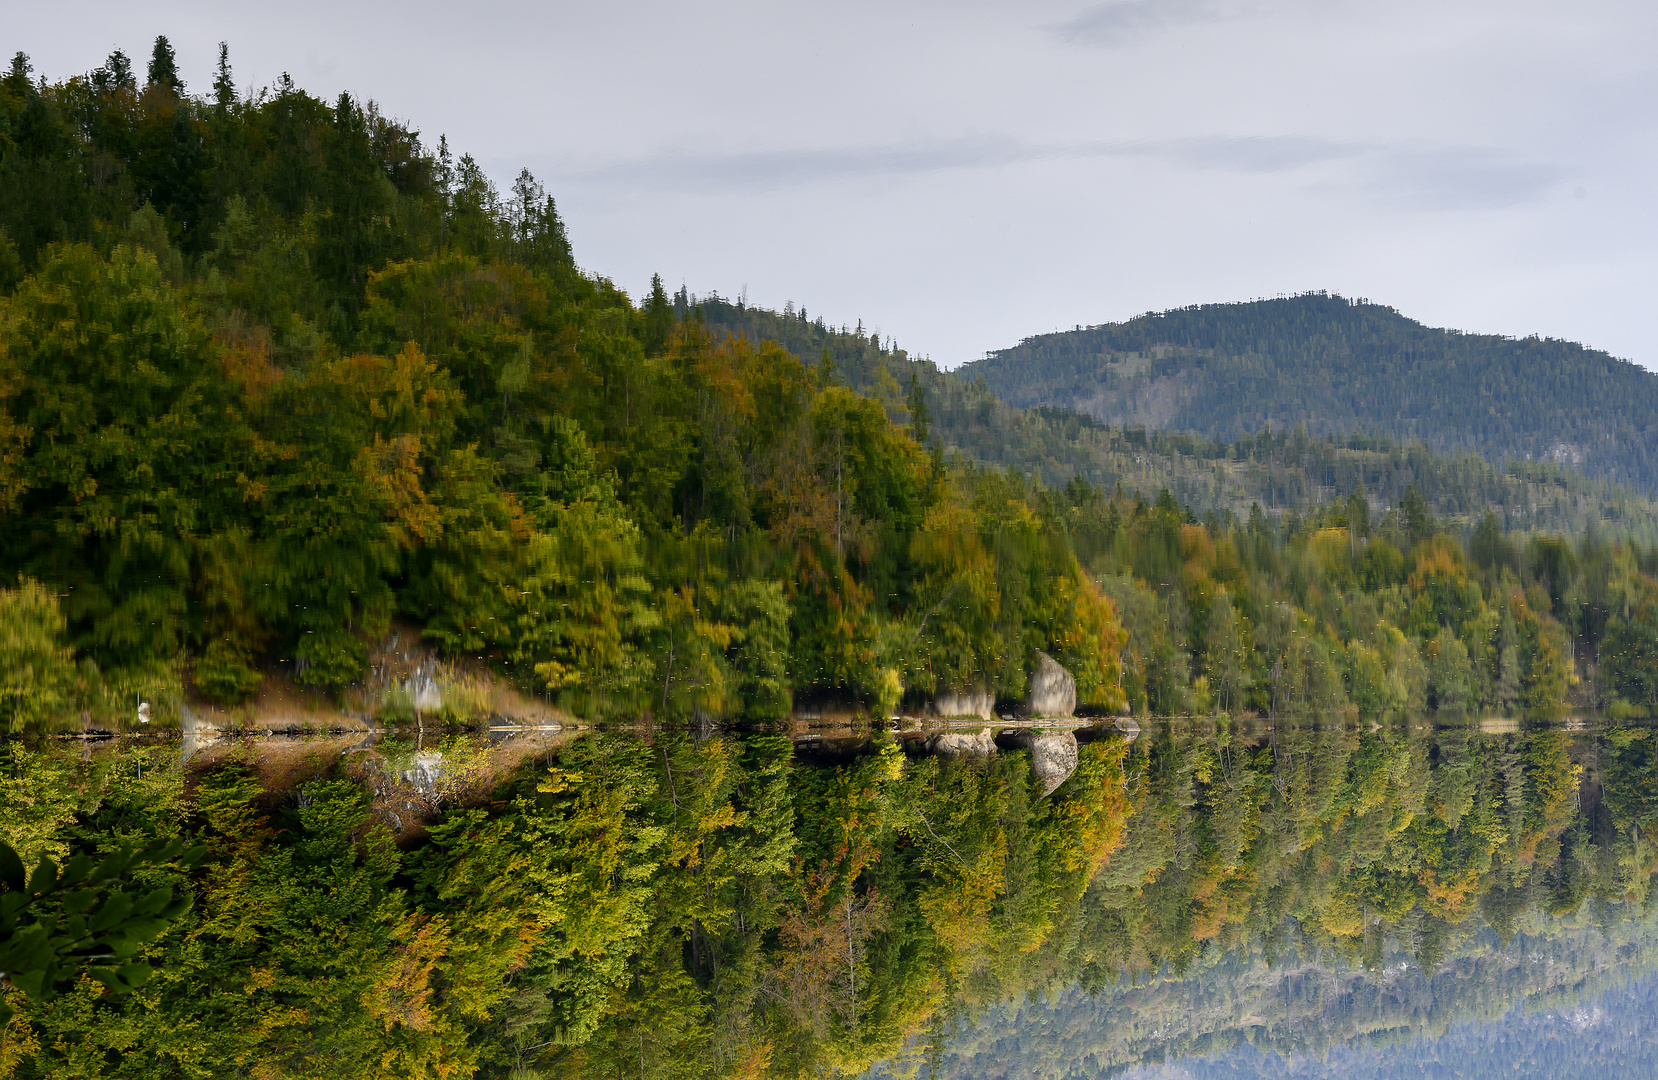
x: 1282, y: 469
x: 1338, y: 365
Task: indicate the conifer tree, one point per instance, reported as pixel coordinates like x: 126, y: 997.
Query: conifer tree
x: 164, y: 67
x: 224, y: 86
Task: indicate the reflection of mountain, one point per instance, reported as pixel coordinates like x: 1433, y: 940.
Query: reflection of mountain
x: 1349, y: 861
x: 1300, y: 1018
x: 1606, y: 1038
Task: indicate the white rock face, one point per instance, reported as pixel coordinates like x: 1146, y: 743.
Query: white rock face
x: 1053, y: 692
x: 424, y: 772
x: 981, y: 743
x: 1053, y: 757
x: 423, y: 692
x: 962, y: 703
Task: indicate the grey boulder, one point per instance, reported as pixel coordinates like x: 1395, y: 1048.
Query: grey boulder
x: 1053, y: 757
x: 979, y: 743
x: 1053, y: 692
x: 963, y: 703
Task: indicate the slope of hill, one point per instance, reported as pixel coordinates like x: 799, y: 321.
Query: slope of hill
x: 1339, y: 365
x: 1282, y: 470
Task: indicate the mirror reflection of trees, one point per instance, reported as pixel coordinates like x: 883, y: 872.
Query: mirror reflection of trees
x: 676, y: 905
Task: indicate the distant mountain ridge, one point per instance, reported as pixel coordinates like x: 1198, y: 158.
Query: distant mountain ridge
x: 1336, y: 365
x: 1282, y: 469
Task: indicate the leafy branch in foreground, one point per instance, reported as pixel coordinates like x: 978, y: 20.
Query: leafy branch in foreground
x: 60, y: 922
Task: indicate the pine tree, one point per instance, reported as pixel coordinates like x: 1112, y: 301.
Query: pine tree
x: 164, y: 67
x: 921, y: 421
x: 1419, y: 522
x: 659, y: 316
x: 1224, y: 655
x: 1507, y: 651
x: 115, y: 75
x: 224, y: 87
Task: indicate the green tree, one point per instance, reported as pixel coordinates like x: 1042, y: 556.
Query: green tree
x: 36, y: 671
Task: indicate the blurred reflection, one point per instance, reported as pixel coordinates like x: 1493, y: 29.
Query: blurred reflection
x: 1200, y: 897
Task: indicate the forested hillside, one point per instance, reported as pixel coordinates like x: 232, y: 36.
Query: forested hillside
x: 280, y: 379
x: 1336, y: 365
x: 274, y: 371
x: 1282, y: 469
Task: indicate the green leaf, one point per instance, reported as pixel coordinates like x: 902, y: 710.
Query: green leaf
x: 11, y: 868
x: 178, y: 907
x: 30, y: 982
x: 45, y: 877
x: 134, y: 975
x: 113, y: 866
x: 115, y: 909
x: 76, y: 870
x: 152, y: 902
x: 80, y: 900
x: 144, y: 929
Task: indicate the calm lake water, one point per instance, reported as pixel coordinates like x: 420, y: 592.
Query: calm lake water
x: 1468, y: 900
x: 1184, y: 899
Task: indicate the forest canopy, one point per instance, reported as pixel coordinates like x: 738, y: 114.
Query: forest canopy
x: 275, y: 373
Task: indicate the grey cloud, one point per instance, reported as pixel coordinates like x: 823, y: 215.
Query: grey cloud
x: 783, y: 168
x: 1410, y: 176
x: 1121, y: 21
x: 1249, y: 153
x: 1457, y: 178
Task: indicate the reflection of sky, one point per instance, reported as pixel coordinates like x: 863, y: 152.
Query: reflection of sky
x: 1561, y: 1001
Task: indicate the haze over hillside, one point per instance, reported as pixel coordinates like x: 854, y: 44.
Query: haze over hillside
x: 1337, y: 365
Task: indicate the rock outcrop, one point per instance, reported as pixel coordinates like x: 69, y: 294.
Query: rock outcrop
x: 1053, y: 757
x: 423, y: 693
x: 1053, y: 692
x: 981, y: 743
x: 425, y: 772
x: 963, y: 703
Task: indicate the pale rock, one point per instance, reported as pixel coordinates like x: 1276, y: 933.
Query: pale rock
x: 424, y: 772
x: 963, y: 703
x: 1053, y: 757
x: 1053, y: 692
x: 423, y: 693
x: 981, y: 743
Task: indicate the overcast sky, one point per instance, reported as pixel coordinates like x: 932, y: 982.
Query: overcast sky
x: 964, y: 174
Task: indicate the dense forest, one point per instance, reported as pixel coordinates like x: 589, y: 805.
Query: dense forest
x: 273, y: 372
x: 1334, y: 365
x: 730, y: 906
